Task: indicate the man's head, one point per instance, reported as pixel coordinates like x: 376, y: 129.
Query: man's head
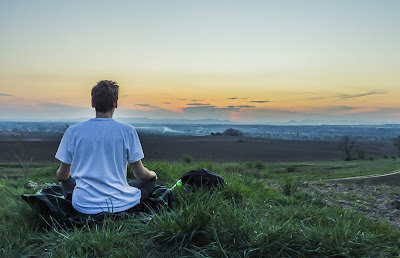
x: 105, y: 96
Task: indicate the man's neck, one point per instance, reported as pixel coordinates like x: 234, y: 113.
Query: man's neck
x: 108, y: 114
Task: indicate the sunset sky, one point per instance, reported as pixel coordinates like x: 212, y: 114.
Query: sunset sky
x: 246, y: 61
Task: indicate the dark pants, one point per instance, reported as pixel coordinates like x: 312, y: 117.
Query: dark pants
x: 145, y: 186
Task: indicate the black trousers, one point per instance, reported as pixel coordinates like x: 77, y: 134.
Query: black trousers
x: 145, y: 186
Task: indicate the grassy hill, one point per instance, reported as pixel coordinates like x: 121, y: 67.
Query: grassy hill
x: 260, y: 213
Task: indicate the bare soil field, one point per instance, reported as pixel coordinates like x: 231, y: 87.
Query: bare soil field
x: 210, y: 148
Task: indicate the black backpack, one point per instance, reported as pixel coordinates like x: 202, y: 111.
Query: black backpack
x: 202, y: 178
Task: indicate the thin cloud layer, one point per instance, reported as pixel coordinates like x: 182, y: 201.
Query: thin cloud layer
x: 234, y: 98
x: 338, y: 109
x: 6, y: 95
x: 259, y: 101
x: 210, y: 112
x: 350, y: 96
x: 246, y: 113
x: 197, y: 104
x: 154, y: 108
x: 246, y: 106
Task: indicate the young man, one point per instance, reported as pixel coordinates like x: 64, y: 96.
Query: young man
x: 94, y: 157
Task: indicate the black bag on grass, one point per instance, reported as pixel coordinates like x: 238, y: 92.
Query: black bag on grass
x: 203, y: 178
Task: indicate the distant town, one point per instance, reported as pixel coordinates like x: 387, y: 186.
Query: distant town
x: 195, y: 128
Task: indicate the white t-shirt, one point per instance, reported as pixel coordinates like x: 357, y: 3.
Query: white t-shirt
x: 98, y: 151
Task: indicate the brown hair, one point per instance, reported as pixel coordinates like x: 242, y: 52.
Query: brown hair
x: 104, y: 95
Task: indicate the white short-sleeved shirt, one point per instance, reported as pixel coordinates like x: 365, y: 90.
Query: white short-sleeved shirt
x: 98, y: 151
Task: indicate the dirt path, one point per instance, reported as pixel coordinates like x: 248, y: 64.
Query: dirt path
x: 392, y: 178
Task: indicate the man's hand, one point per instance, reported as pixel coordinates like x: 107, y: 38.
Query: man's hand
x: 141, y: 172
x: 63, y: 172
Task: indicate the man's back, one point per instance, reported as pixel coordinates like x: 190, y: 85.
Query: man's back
x: 98, y: 151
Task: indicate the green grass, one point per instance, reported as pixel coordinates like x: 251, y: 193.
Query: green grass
x: 247, y: 218
x: 321, y: 170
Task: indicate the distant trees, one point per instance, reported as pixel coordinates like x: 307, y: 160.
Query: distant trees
x: 347, y: 144
x: 361, y: 153
x: 230, y: 132
x: 396, y: 142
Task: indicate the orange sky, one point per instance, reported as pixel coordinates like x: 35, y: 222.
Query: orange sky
x: 259, y: 61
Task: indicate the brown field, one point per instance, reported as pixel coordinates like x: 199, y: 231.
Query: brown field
x: 210, y: 148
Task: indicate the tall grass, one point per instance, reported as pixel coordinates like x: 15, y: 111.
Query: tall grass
x: 244, y: 219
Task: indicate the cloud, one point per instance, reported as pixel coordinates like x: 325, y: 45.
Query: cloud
x: 233, y: 98
x: 200, y: 111
x: 197, y: 104
x: 182, y: 99
x: 246, y: 106
x: 153, y: 114
x: 339, y: 109
x: 154, y: 108
x: 213, y: 108
x: 48, y: 111
x: 316, y: 98
x: 196, y: 100
x: 6, y: 95
x: 161, y: 110
x: 350, y: 96
x: 259, y: 101
x: 262, y: 115
x: 166, y: 102
x: 344, y: 108
x: 229, y: 108
x: 214, y: 112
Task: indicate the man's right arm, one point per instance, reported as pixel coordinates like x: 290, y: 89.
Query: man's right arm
x: 141, y: 172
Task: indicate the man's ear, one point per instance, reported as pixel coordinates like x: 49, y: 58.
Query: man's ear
x: 92, y: 104
x: 116, y: 104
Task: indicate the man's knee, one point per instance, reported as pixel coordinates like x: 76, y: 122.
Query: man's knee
x: 145, y: 186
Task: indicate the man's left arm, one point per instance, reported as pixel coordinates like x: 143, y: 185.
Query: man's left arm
x: 63, y: 172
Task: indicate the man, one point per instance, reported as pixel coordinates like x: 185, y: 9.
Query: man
x: 94, y: 156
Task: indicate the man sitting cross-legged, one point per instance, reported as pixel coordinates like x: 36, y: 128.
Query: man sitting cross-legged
x: 94, y: 157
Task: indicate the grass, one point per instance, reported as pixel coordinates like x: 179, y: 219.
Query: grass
x: 247, y: 218
x: 321, y: 170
